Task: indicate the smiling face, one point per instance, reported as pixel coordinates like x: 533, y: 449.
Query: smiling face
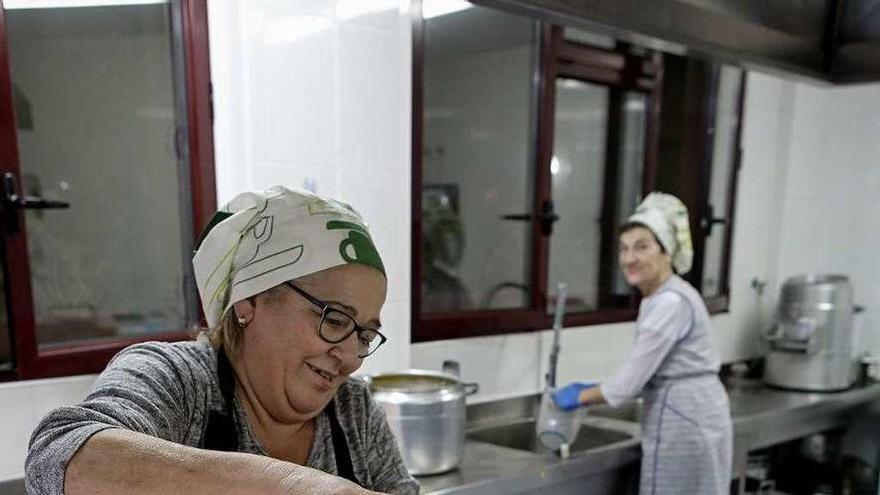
x: 643, y: 261
x: 292, y: 371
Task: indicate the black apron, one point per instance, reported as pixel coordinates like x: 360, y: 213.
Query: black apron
x: 222, y: 434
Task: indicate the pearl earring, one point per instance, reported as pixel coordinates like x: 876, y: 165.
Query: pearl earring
x: 242, y: 322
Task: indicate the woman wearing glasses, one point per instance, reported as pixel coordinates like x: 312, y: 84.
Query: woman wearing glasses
x: 291, y: 286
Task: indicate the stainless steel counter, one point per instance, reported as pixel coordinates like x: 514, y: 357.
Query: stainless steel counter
x: 761, y: 417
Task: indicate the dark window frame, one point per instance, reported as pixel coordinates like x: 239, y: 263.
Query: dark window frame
x: 557, y: 58
x: 695, y: 171
x: 619, y: 71
x: 721, y: 302
x: 191, y: 24
x: 593, y: 65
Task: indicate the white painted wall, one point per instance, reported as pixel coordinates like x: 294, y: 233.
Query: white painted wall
x: 338, y: 110
x: 831, y: 193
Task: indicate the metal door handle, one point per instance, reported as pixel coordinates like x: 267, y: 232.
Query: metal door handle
x: 524, y: 217
x: 37, y: 203
x: 12, y: 202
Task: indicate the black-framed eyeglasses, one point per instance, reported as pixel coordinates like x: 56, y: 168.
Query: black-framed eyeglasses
x: 336, y: 326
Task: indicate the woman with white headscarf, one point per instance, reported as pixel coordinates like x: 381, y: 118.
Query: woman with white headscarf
x: 291, y: 286
x: 686, y: 427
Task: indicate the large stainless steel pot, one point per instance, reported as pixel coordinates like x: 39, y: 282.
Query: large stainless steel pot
x: 426, y: 411
x: 811, y: 345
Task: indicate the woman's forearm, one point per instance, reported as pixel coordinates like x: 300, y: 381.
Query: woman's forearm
x: 121, y: 461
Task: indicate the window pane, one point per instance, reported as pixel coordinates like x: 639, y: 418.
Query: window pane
x: 477, y: 160
x: 723, y: 157
x: 577, y: 169
x: 593, y: 187
x: 98, y: 87
x: 630, y: 174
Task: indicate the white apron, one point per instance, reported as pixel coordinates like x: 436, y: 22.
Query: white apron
x: 687, y: 437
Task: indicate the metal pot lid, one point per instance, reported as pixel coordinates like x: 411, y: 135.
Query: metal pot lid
x: 418, y: 381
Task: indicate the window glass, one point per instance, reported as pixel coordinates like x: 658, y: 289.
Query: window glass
x: 594, y: 189
x: 96, y: 126
x: 477, y: 160
x: 577, y: 169
x: 630, y: 177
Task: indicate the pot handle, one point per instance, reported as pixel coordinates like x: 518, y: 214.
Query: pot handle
x: 470, y: 388
x: 452, y: 367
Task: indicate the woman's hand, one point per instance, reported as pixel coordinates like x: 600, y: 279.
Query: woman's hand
x: 568, y: 397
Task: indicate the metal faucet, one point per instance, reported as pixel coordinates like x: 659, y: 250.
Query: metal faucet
x: 558, y: 313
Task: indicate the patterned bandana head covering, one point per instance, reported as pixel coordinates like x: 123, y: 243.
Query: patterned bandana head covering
x: 667, y: 217
x: 263, y: 239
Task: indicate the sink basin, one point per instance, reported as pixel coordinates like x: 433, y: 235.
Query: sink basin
x: 520, y: 435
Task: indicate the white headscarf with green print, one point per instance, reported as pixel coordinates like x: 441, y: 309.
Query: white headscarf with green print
x: 667, y: 217
x: 263, y: 239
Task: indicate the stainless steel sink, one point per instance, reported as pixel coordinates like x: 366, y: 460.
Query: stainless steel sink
x: 520, y: 435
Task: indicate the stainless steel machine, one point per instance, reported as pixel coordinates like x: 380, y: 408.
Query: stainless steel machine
x: 811, y: 343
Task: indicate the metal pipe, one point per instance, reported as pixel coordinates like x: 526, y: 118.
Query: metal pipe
x: 558, y: 314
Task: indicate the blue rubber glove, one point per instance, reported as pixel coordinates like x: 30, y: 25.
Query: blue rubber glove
x: 567, y: 397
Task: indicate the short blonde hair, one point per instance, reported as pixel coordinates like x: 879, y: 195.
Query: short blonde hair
x: 227, y: 335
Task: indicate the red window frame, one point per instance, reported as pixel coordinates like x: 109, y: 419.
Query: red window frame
x: 618, y: 69
x: 720, y: 303
x: 694, y: 170
x: 558, y: 58
x: 81, y: 358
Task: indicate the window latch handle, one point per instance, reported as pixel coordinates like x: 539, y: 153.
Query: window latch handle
x: 522, y: 217
x: 13, y: 201
x: 710, y: 220
x: 547, y: 217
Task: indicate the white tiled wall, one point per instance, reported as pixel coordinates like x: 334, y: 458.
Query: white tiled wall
x: 830, y: 201
x: 320, y: 91
x: 22, y: 405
